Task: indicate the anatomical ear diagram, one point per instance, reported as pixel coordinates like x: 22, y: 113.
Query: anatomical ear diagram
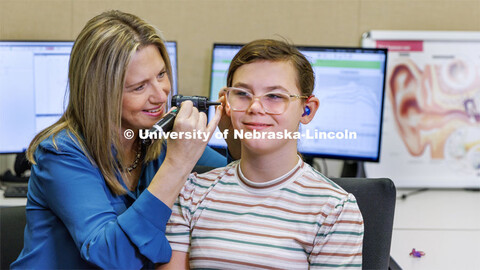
x: 437, y: 108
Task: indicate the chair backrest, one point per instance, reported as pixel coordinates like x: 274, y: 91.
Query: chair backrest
x: 376, y: 200
x: 12, y: 226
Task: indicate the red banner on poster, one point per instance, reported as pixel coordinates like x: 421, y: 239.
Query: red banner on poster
x: 401, y: 45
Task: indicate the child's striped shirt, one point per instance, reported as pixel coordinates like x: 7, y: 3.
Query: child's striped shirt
x: 298, y: 221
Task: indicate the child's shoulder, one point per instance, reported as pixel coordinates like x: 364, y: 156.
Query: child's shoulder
x: 207, y: 179
x: 314, y: 180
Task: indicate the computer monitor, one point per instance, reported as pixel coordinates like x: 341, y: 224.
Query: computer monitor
x: 33, y: 84
x: 172, y: 54
x: 350, y: 84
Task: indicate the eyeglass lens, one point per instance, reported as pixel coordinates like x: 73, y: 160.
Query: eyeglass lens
x: 272, y: 102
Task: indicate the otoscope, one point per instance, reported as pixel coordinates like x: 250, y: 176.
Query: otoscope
x: 166, y: 123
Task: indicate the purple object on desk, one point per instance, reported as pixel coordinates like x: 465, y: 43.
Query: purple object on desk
x: 416, y: 253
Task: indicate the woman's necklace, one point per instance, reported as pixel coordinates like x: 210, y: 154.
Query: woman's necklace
x: 137, y: 159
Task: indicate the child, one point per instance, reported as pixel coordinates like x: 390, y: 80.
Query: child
x: 269, y: 209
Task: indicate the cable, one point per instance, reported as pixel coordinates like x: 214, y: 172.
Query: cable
x: 404, y: 196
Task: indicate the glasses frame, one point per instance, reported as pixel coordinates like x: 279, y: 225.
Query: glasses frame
x: 254, y: 97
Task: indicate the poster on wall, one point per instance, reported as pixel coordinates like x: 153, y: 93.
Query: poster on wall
x: 431, y: 128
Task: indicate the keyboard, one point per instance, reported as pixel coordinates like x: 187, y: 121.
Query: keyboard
x: 16, y: 191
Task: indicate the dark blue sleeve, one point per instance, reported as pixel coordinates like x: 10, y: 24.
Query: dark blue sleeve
x: 212, y: 158
x: 76, y: 192
x: 229, y: 157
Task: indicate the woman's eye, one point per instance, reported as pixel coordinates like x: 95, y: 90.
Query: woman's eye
x: 162, y: 74
x: 141, y: 87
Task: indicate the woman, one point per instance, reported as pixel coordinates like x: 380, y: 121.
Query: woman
x: 97, y: 197
x: 269, y: 209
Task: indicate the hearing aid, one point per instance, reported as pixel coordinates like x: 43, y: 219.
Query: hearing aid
x: 306, y: 111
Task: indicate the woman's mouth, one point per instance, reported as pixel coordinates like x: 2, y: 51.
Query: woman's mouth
x: 155, y: 112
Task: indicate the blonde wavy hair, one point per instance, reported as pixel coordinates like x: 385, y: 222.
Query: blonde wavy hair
x: 98, y: 63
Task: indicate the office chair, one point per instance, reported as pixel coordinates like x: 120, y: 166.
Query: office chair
x: 12, y: 226
x: 376, y: 200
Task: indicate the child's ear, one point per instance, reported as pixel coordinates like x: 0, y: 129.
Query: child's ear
x: 228, y: 110
x: 312, y: 103
x: 222, y: 97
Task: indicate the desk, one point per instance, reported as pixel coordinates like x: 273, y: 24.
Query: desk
x: 445, y: 224
x: 11, y: 201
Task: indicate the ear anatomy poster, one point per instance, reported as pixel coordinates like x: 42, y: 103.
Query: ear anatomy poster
x: 431, y: 128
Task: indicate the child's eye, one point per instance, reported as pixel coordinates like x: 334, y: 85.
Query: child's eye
x: 242, y: 93
x: 273, y: 96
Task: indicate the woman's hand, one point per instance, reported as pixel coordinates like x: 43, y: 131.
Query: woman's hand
x: 192, y: 125
x: 183, y: 152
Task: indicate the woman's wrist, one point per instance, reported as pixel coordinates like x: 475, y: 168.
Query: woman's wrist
x: 168, y: 181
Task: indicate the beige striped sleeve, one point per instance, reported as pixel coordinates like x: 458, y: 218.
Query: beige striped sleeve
x: 339, y: 240
x: 178, y: 227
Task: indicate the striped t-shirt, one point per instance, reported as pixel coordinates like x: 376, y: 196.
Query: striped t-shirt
x: 298, y: 221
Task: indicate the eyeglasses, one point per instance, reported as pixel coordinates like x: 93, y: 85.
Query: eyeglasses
x: 273, y: 102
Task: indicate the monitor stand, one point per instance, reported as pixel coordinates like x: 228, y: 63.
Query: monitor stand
x: 353, y: 168
x: 20, y: 167
x: 21, y: 164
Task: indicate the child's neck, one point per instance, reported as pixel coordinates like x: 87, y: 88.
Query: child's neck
x: 265, y: 167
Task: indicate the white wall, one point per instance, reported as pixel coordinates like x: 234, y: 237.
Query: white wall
x: 6, y: 162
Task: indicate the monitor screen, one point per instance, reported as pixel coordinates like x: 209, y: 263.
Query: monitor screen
x: 172, y: 54
x: 33, y: 83
x: 349, y: 83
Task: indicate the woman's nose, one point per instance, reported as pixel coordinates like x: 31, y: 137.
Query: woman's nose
x: 160, y: 92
